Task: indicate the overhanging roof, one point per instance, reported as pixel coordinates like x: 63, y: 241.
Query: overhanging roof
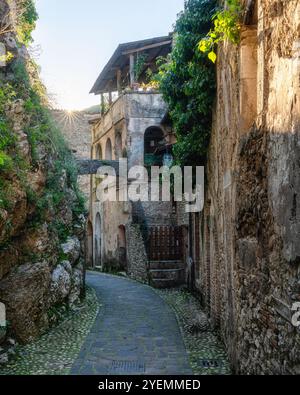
x: 153, y: 47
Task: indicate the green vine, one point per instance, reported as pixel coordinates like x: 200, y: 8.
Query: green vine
x: 187, y: 81
x: 226, y: 26
x: 139, y: 65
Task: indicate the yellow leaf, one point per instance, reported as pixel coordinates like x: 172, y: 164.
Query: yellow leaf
x: 212, y: 56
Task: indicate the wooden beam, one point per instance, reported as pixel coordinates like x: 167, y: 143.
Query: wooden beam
x: 119, y: 81
x: 102, y: 104
x: 110, y: 97
x: 131, y: 70
x: 136, y: 50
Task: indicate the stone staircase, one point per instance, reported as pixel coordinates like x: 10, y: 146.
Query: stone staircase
x: 166, y: 274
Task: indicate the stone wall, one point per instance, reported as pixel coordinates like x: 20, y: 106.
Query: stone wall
x: 250, y: 228
x: 41, y: 241
x: 77, y: 132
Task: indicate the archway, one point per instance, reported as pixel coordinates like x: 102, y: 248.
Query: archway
x: 153, y: 146
x: 108, y: 150
x: 97, y: 242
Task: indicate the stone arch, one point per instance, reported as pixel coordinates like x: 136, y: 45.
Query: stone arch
x: 108, y: 150
x: 153, y: 139
x: 118, y: 145
x: 97, y: 242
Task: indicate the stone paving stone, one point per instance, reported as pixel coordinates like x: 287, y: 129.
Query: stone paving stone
x: 55, y: 352
x: 135, y: 325
x: 202, y: 345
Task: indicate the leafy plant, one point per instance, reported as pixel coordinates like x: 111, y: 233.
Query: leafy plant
x: 7, y: 57
x: 139, y: 65
x: 26, y: 21
x: 187, y: 81
x: 226, y: 26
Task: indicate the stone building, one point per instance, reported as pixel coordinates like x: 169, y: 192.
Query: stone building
x: 75, y: 128
x: 246, y: 248
x: 133, y: 127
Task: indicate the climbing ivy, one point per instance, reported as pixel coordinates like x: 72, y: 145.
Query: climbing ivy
x: 187, y: 80
x: 226, y: 26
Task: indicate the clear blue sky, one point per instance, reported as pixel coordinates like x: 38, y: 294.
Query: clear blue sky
x: 77, y: 38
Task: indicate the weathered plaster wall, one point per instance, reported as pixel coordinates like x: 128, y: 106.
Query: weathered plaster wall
x: 129, y: 117
x: 249, y: 270
x: 115, y: 214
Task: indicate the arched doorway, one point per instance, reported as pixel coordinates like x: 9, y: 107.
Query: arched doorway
x: 153, y: 146
x: 97, y: 242
x: 108, y: 150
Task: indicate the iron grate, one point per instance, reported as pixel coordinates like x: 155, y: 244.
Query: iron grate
x: 127, y: 367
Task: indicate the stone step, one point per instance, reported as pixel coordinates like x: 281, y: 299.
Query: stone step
x: 169, y: 274
x: 166, y: 265
x: 162, y: 283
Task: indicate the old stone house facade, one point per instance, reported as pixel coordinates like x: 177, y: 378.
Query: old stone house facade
x: 245, y: 243
x: 134, y: 128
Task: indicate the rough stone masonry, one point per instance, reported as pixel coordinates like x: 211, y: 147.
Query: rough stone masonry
x: 38, y: 270
x: 249, y: 274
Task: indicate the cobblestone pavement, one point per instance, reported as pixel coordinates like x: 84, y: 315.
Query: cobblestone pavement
x: 135, y: 332
x: 206, y: 352
x: 55, y: 352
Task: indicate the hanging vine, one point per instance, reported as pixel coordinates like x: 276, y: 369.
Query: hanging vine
x: 226, y: 26
x: 187, y: 80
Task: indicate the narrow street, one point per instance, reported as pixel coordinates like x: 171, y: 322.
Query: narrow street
x: 135, y: 332
x: 149, y: 188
